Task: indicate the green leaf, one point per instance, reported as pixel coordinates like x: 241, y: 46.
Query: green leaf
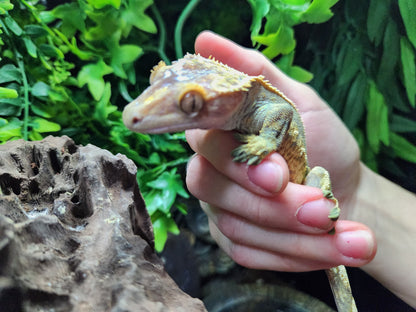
x: 11, y: 106
x: 11, y: 130
x: 46, y: 17
x: 51, y: 51
x: 13, y: 26
x: 30, y: 47
x: 300, y: 74
x: 377, y: 125
x: 104, y: 108
x: 390, y: 56
x: 402, y: 124
x: 167, y: 143
x: 403, y: 148
x: 41, y: 111
x: 259, y: 8
x: 355, y: 104
x: 285, y: 63
x: 409, y: 69
x: 40, y: 89
x: 319, y: 11
x: 72, y: 18
x: 134, y: 15
x: 3, y: 122
x: 42, y: 125
x: 350, y: 64
x: 280, y: 42
x: 378, y: 15
x: 99, y: 4
x: 5, y: 6
x: 408, y: 12
x: 35, y: 31
x: 6, y: 93
x: 92, y: 75
x: 161, y: 226
x: 9, y: 73
x: 124, y: 54
x: 170, y: 184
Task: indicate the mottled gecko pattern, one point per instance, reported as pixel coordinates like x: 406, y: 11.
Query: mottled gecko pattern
x: 196, y: 92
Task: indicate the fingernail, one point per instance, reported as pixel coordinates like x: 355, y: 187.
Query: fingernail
x: 315, y: 214
x: 355, y: 244
x: 268, y: 175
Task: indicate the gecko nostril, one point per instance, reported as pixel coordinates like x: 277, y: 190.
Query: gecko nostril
x: 136, y: 120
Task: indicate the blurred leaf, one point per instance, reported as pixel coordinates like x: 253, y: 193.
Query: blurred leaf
x: 300, y: 74
x: 5, y: 6
x: 377, y: 125
x: 402, y: 124
x: 390, y: 56
x: 285, y: 63
x: 6, y: 93
x: 13, y: 26
x: 351, y: 62
x: 403, y: 148
x: 319, y: 11
x: 354, y: 106
x: 408, y: 12
x: 409, y: 69
x: 9, y: 73
x: 161, y: 226
x: 260, y: 8
x: 11, y: 130
x: 280, y: 42
x: 92, y: 75
x: 41, y: 111
x: 378, y: 15
x: 51, y: 51
x: 40, y: 89
x: 71, y: 16
x: 104, y: 108
x: 11, y: 106
x: 167, y: 143
x: 35, y: 31
x: 123, y: 54
x: 170, y: 184
x: 30, y: 47
x: 99, y: 4
x: 42, y: 125
x: 134, y: 15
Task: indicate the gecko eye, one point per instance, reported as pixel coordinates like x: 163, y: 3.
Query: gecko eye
x: 191, y: 103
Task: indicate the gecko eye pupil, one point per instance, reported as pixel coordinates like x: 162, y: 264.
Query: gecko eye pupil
x: 191, y: 103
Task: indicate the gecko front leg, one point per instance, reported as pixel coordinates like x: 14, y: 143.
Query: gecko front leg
x: 276, y: 121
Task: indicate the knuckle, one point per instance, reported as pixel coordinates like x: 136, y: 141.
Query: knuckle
x: 230, y: 226
x: 241, y: 255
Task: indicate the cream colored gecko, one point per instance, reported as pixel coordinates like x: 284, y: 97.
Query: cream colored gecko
x: 196, y: 92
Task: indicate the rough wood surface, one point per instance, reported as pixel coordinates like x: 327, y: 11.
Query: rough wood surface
x: 75, y: 234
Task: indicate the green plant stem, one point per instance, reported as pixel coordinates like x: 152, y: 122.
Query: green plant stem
x: 162, y: 35
x: 179, y: 26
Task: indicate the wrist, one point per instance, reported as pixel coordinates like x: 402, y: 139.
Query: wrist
x: 388, y: 210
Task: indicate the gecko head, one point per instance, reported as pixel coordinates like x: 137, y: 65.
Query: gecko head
x: 164, y: 109
x: 193, y: 92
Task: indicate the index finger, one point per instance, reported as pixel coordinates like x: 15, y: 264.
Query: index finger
x: 269, y: 177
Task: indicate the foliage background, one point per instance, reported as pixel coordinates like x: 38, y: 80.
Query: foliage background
x: 69, y: 69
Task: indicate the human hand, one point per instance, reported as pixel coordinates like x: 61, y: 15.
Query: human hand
x: 256, y: 216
